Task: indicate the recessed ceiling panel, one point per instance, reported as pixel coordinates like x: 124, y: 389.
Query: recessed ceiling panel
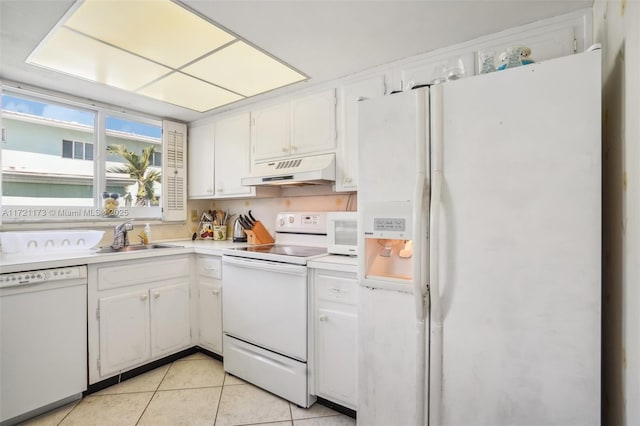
x: 159, y: 29
x: 180, y: 89
x: 72, y: 53
x: 243, y: 69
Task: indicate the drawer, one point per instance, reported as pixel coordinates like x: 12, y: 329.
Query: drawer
x: 140, y: 272
x: 334, y: 286
x: 210, y: 266
x: 278, y: 374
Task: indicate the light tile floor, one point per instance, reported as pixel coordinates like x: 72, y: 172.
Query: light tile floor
x: 191, y: 391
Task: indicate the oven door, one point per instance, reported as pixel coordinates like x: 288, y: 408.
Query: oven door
x: 265, y: 303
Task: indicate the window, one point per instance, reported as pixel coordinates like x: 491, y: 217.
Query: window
x: 77, y: 150
x: 157, y: 159
x: 43, y: 177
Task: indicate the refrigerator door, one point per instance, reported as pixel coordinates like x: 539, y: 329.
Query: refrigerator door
x: 519, y: 247
x: 392, y: 216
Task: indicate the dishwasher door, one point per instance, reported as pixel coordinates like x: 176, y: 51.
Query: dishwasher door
x: 43, y: 341
x: 265, y: 304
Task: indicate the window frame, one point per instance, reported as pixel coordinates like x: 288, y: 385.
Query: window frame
x: 99, y: 144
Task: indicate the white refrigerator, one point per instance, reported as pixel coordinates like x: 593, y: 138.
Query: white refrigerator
x: 479, y: 222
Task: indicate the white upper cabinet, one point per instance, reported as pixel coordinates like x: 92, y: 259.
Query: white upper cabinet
x: 232, y: 155
x: 313, y: 124
x: 425, y: 71
x: 546, y: 41
x: 300, y: 126
x: 270, y: 132
x: 347, y: 152
x: 552, y: 43
x: 201, y: 152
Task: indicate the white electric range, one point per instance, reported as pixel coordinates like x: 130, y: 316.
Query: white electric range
x: 265, y: 307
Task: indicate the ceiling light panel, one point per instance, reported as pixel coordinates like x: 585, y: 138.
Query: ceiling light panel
x: 159, y: 49
x: 159, y: 30
x: 75, y: 54
x: 244, y: 69
x: 189, y: 92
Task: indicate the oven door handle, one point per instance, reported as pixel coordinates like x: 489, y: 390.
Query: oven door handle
x: 264, y: 265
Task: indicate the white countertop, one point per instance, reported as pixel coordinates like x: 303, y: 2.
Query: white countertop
x: 19, y: 262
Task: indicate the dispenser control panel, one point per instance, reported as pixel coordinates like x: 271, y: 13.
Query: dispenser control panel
x: 389, y: 224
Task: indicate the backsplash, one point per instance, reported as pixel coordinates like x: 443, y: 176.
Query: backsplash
x: 265, y: 209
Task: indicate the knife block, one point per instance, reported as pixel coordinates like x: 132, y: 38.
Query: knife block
x: 258, y: 234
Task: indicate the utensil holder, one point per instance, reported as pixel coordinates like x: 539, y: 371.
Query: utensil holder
x: 219, y: 232
x: 258, y: 234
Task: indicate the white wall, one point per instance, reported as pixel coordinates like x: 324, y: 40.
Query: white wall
x: 617, y: 27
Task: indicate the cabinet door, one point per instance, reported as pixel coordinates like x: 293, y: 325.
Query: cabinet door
x: 200, y: 161
x: 347, y: 159
x: 124, y: 331
x: 336, y: 356
x: 270, y: 132
x: 232, y: 155
x: 313, y: 123
x: 170, y: 319
x: 210, y: 308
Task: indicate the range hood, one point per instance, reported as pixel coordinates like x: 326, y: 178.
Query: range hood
x: 310, y: 170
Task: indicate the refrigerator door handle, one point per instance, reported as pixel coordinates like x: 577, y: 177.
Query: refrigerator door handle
x: 418, y: 279
x: 435, y: 328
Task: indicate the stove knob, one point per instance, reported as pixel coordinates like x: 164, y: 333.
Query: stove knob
x: 281, y: 221
x: 292, y: 219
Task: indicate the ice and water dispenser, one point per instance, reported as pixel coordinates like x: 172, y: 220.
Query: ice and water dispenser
x: 388, y: 246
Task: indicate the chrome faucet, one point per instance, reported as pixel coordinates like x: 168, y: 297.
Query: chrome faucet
x: 120, y: 236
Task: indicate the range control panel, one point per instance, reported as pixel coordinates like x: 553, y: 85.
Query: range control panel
x: 302, y: 222
x: 41, y: 276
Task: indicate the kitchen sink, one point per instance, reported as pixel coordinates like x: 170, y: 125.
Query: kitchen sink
x: 134, y: 248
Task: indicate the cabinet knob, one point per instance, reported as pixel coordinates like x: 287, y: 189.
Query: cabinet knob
x: 323, y: 318
x: 347, y: 180
x: 294, y: 148
x: 285, y: 149
x: 219, y: 190
x: 144, y: 297
x: 215, y: 292
x: 156, y: 295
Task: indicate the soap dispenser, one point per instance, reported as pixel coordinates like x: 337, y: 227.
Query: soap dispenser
x: 147, y: 234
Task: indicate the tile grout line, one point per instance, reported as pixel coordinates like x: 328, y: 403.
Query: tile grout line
x: 153, y: 395
x: 67, y: 415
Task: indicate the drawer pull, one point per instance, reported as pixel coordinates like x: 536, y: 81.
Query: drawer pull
x: 156, y: 295
x: 144, y: 297
x: 323, y: 318
x: 338, y: 290
x: 215, y: 292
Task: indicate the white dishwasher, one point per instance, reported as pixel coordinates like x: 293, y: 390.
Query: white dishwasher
x: 43, y: 340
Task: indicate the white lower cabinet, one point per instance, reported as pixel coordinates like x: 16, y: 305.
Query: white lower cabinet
x: 210, y: 302
x: 170, y: 318
x: 124, y: 331
x: 335, y: 323
x: 139, y: 311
